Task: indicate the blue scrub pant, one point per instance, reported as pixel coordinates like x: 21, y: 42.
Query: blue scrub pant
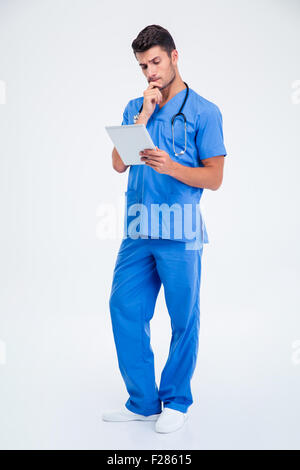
x: 142, y: 265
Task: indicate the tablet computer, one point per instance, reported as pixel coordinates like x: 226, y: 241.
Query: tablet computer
x: 129, y: 140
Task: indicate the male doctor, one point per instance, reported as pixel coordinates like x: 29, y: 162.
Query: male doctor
x: 164, y: 234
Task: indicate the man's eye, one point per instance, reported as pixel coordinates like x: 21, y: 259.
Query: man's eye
x: 144, y: 66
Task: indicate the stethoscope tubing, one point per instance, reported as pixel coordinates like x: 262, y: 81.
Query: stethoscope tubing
x: 174, y: 117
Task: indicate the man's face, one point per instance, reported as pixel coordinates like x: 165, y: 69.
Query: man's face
x: 157, y: 65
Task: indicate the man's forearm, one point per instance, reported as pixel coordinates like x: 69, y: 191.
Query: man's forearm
x: 199, y: 177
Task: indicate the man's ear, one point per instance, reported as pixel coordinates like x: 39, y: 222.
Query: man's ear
x: 174, y: 55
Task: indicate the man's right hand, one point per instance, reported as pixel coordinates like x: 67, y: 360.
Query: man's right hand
x: 152, y: 96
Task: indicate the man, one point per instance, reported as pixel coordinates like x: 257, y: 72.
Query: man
x: 163, y: 250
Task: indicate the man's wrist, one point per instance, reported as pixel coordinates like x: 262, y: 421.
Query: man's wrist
x: 143, y: 118
x: 174, y: 168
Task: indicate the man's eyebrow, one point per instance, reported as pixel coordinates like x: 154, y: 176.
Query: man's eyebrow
x: 157, y: 57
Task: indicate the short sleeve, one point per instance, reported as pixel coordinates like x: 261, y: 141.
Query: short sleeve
x: 126, y: 115
x: 209, y: 134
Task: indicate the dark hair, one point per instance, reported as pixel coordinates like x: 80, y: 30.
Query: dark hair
x: 153, y: 35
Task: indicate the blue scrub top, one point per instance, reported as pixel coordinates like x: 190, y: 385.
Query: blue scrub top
x: 148, y: 189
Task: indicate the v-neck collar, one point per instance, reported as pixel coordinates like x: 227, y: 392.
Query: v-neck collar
x: 172, y: 101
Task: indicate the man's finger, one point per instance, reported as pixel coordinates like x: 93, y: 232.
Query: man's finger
x: 153, y: 153
x: 151, y: 150
x: 158, y: 158
x: 153, y: 162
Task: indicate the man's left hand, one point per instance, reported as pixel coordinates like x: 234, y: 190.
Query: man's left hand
x: 158, y: 159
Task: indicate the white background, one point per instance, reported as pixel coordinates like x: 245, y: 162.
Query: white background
x: 67, y: 69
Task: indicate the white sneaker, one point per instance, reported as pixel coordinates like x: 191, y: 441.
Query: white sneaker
x: 126, y: 415
x: 170, y: 420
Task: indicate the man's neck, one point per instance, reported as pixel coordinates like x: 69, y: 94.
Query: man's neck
x: 172, y: 90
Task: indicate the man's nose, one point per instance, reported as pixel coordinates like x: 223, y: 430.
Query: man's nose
x: 152, y: 74
x: 152, y: 78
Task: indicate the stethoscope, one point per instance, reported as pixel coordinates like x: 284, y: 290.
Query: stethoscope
x: 173, y: 119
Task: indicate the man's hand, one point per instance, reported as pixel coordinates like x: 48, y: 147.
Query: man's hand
x: 158, y: 159
x: 152, y: 96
